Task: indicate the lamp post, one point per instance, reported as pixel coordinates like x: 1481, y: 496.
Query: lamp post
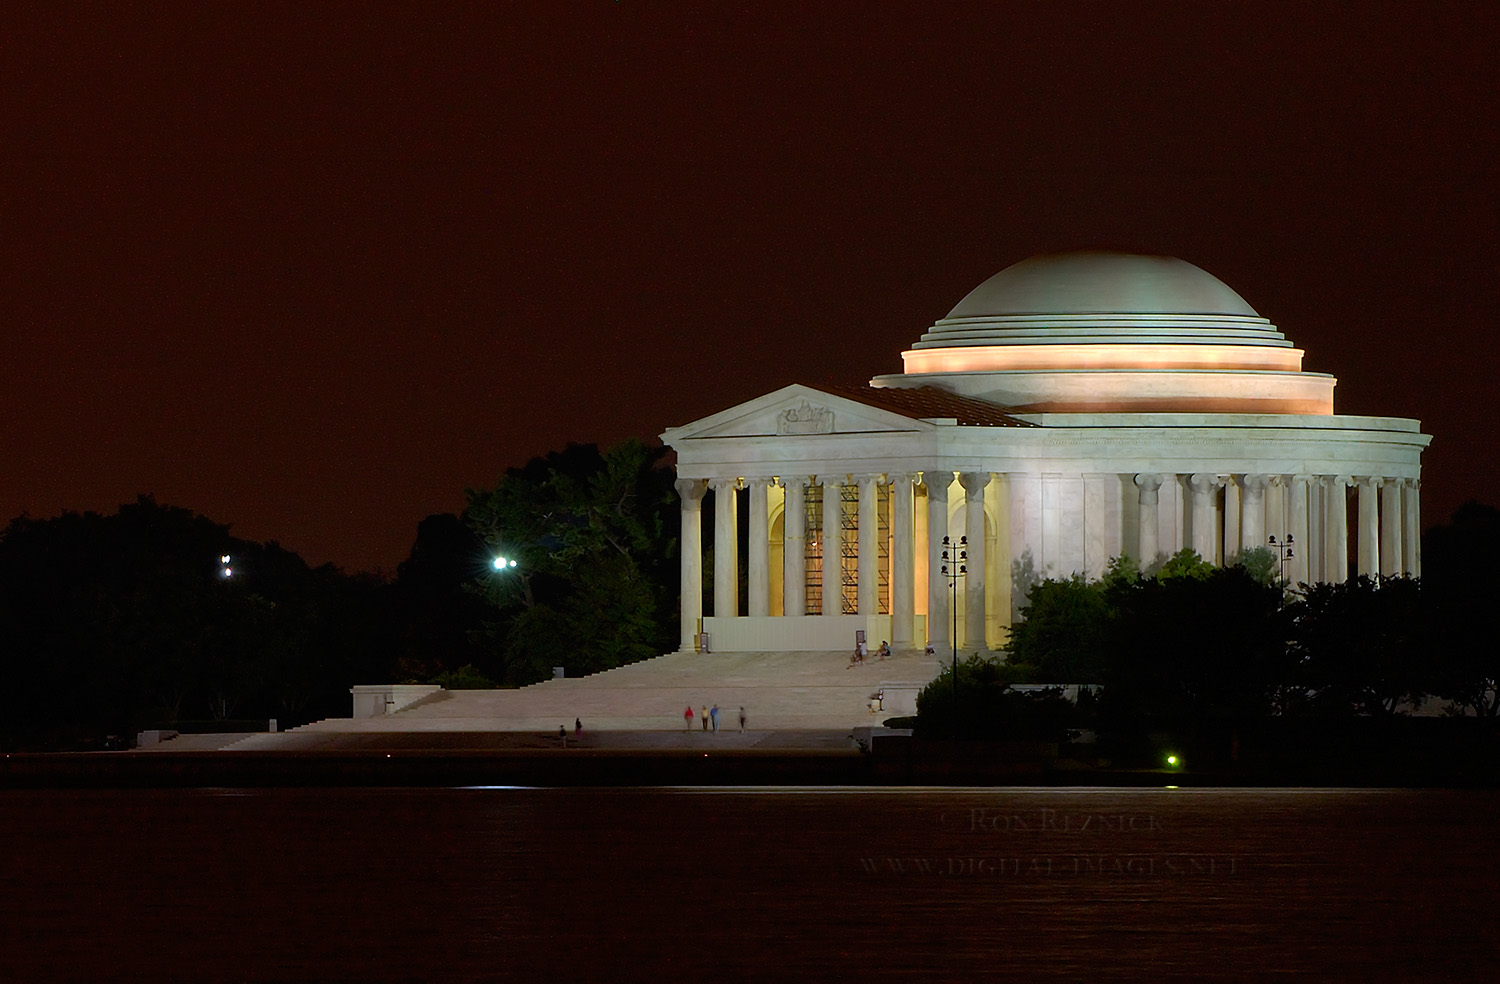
x: 1284, y: 553
x: 955, y: 566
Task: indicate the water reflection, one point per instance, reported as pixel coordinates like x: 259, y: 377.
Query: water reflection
x: 762, y: 884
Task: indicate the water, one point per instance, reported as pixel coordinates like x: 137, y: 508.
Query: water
x: 755, y: 885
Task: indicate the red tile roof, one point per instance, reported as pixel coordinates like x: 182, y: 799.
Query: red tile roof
x: 922, y: 402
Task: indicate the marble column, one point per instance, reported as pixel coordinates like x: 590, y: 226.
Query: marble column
x: 869, y: 545
x: 794, y: 548
x: 726, y: 547
x: 1390, y: 526
x: 973, y: 484
x: 691, y: 548
x: 938, y: 616
x: 1297, y: 568
x: 758, y: 596
x: 1368, y: 548
x: 1148, y: 541
x: 1204, y: 485
x: 1231, y: 519
x: 903, y: 563
x: 1336, y: 529
x: 833, y: 544
x: 1253, y: 510
x: 1411, y: 528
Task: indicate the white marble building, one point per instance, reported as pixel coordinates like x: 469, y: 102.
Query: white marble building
x: 1071, y: 408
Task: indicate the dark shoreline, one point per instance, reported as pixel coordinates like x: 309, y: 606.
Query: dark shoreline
x: 625, y: 768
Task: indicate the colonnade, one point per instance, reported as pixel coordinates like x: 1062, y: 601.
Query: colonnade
x: 1058, y: 523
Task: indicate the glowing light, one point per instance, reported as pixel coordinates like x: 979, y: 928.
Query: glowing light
x: 1173, y: 761
x: 1014, y: 358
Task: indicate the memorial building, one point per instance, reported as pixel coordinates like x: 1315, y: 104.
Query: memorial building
x: 1070, y: 409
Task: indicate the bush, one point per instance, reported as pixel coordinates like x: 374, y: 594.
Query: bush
x: 466, y: 677
x: 987, y: 708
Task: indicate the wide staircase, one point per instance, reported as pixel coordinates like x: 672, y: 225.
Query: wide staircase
x: 781, y: 691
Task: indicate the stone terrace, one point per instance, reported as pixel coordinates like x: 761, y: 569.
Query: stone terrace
x: 780, y: 691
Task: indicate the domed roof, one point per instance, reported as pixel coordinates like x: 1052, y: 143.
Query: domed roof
x: 1101, y: 298
x: 1112, y: 332
x: 1101, y: 283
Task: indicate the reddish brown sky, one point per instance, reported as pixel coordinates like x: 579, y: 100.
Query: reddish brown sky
x: 313, y: 269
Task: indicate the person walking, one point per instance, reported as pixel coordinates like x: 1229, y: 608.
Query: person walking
x: 578, y: 727
x: 687, y: 718
x: 742, y: 720
x: 703, y: 716
x: 562, y: 733
x: 714, y: 714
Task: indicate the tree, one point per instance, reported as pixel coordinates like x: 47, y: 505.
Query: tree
x: 1362, y: 646
x: 595, y: 578
x: 1460, y: 582
x: 1194, y: 645
x: 1064, y: 630
x: 113, y: 623
x: 987, y: 707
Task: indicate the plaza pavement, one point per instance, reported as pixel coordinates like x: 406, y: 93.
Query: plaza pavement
x: 791, y: 700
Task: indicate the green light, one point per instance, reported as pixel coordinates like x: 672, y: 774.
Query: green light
x: 1172, y: 761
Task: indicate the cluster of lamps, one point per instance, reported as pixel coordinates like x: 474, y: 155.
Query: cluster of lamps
x: 955, y: 566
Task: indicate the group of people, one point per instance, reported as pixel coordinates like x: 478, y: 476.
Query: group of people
x: 709, y: 716
x: 862, y: 652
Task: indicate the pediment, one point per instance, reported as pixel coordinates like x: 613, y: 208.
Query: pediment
x: 796, y: 411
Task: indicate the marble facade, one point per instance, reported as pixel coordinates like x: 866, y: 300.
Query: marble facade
x: 1152, y: 411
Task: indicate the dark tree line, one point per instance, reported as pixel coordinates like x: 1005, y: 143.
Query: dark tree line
x: 1191, y: 647
x: 114, y: 623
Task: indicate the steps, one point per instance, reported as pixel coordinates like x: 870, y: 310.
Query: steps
x: 812, y: 691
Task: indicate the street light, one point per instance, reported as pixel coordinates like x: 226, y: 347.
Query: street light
x: 501, y: 564
x: 955, y: 566
x: 1284, y: 552
x: 224, y: 569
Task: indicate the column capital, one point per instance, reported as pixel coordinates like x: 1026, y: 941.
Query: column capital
x: 830, y: 479
x: 1205, y: 482
x: 723, y: 484
x: 1149, y: 482
x: 691, y: 489
x: 1374, y: 481
x: 930, y: 484
x: 787, y: 481
x: 1253, y: 483
x: 974, y: 482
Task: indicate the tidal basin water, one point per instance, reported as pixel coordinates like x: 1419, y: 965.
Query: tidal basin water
x: 762, y: 884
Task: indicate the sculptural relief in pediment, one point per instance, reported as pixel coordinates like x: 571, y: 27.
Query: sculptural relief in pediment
x: 805, y: 419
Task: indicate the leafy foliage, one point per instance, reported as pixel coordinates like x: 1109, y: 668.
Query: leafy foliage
x: 111, y: 623
x: 595, y: 580
x: 985, y: 706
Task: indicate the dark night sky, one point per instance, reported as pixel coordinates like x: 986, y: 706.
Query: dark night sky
x: 313, y: 269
